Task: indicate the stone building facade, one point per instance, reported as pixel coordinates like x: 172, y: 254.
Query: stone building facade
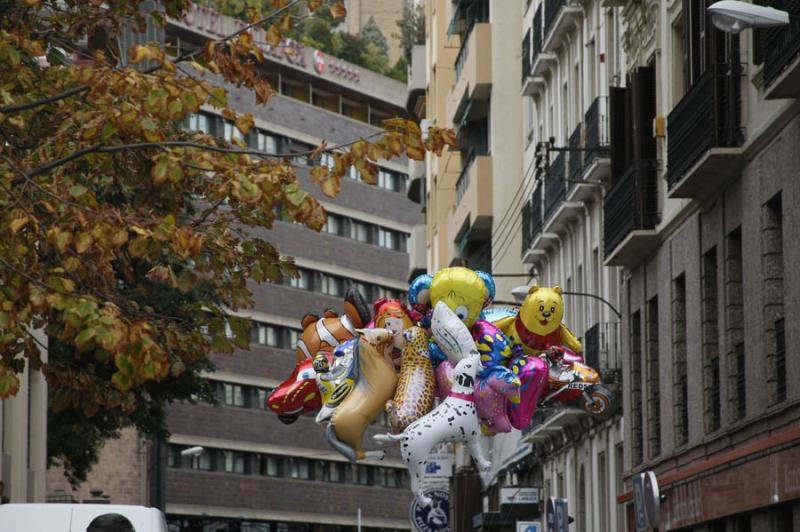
x: 710, y: 294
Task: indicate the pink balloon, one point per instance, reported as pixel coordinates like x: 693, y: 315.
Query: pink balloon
x: 444, y: 379
x: 532, y: 372
x: 496, y: 388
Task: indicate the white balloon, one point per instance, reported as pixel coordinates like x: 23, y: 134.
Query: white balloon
x: 454, y: 420
x: 451, y: 334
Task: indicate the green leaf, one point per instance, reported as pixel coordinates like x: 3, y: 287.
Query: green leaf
x: 159, y: 171
x: 76, y: 191
x: 9, y: 383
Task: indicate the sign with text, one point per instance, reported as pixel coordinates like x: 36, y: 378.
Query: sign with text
x: 519, y: 496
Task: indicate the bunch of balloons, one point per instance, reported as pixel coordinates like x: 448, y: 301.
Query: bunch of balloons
x: 447, y: 367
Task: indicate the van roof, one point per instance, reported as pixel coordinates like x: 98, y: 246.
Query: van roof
x: 57, y: 517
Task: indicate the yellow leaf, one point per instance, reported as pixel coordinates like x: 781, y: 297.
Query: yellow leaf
x: 18, y: 224
x: 286, y: 23
x: 9, y: 383
x: 159, y: 171
x: 84, y: 241
x: 332, y: 186
x: 244, y: 123
x: 274, y: 35
x: 417, y: 154
x: 338, y: 10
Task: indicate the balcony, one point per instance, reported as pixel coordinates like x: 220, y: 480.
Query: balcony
x: 782, y: 55
x: 705, y: 134
x: 534, y: 241
x: 557, y: 210
x: 559, y: 16
x: 473, y: 75
x: 471, y: 218
x: 601, y: 347
x: 597, y: 154
x: 415, y: 102
x: 527, y: 78
x: 540, y: 60
x: 630, y: 209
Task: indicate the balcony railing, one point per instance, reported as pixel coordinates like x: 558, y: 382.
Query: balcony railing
x: 708, y: 116
x: 551, y: 9
x: 463, y: 179
x: 536, y: 36
x: 630, y: 204
x: 526, y: 55
x: 461, y: 58
x: 781, y: 45
x: 591, y: 346
x: 532, y: 218
x: 555, y: 187
x: 575, y: 157
x: 596, y: 124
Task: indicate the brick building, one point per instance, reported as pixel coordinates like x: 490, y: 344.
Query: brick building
x: 252, y: 472
x: 700, y: 216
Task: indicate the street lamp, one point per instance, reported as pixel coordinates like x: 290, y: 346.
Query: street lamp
x: 732, y: 16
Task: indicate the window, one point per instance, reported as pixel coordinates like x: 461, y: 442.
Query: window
x: 299, y: 468
x: 294, y: 336
x: 333, y: 224
x: 780, y: 360
x: 392, y: 181
x: 332, y: 285
x: 233, y: 395
x: 773, y: 311
x: 302, y: 281
x: 327, y: 159
x: 201, y: 461
x: 361, y: 475
x: 261, y: 397
x: 386, y: 239
x: 653, y: 381
x: 266, y: 143
x: 734, y: 322
x: 354, y: 173
x: 269, y: 465
x: 710, y: 341
x: 359, y: 231
x: 231, y: 132
x: 233, y: 462
x: 636, y: 388
x: 680, y: 389
x: 332, y: 472
x: 199, y: 122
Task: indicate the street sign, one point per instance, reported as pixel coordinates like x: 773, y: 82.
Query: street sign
x: 433, y: 518
x: 440, y: 465
x: 519, y: 495
x: 557, y: 515
x: 646, y: 501
x: 529, y: 526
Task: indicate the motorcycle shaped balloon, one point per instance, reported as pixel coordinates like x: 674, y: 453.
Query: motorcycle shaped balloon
x: 570, y: 381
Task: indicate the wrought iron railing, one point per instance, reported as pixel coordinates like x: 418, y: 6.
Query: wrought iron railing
x: 575, y: 162
x: 781, y: 45
x: 591, y: 346
x: 596, y: 124
x: 463, y: 179
x: 555, y: 186
x: 526, y: 56
x: 551, y: 9
x: 708, y: 116
x: 536, y: 36
x: 630, y: 204
x: 532, y: 218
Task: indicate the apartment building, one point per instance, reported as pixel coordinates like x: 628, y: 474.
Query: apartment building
x: 248, y: 470
x: 385, y: 14
x: 571, y: 54
x: 704, y: 193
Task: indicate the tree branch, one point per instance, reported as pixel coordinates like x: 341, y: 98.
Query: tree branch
x: 181, y: 144
x: 9, y: 109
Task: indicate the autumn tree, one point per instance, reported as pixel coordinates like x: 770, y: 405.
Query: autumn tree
x: 123, y: 236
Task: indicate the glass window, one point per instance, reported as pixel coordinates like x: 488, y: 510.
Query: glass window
x: 231, y: 132
x: 266, y: 143
x: 354, y: 173
x: 361, y: 475
x: 386, y: 238
x: 327, y: 159
x: 294, y: 336
x: 234, y: 461
x: 301, y: 281
x: 270, y: 336
x: 269, y: 465
x: 333, y: 225
x: 332, y: 285
x: 299, y: 468
x: 201, y: 461
x: 198, y: 122
x: 234, y: 395
x: 359, y: 231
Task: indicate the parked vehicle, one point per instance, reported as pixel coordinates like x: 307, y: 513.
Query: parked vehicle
x: 571, y: 382
x: 80, y: 518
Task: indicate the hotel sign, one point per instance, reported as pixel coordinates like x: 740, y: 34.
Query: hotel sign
x: 202, y: 18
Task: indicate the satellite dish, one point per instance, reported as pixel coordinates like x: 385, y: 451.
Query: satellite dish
x: 733, y: 16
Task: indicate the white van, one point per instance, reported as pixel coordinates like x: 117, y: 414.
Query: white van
x: 80, y: 518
